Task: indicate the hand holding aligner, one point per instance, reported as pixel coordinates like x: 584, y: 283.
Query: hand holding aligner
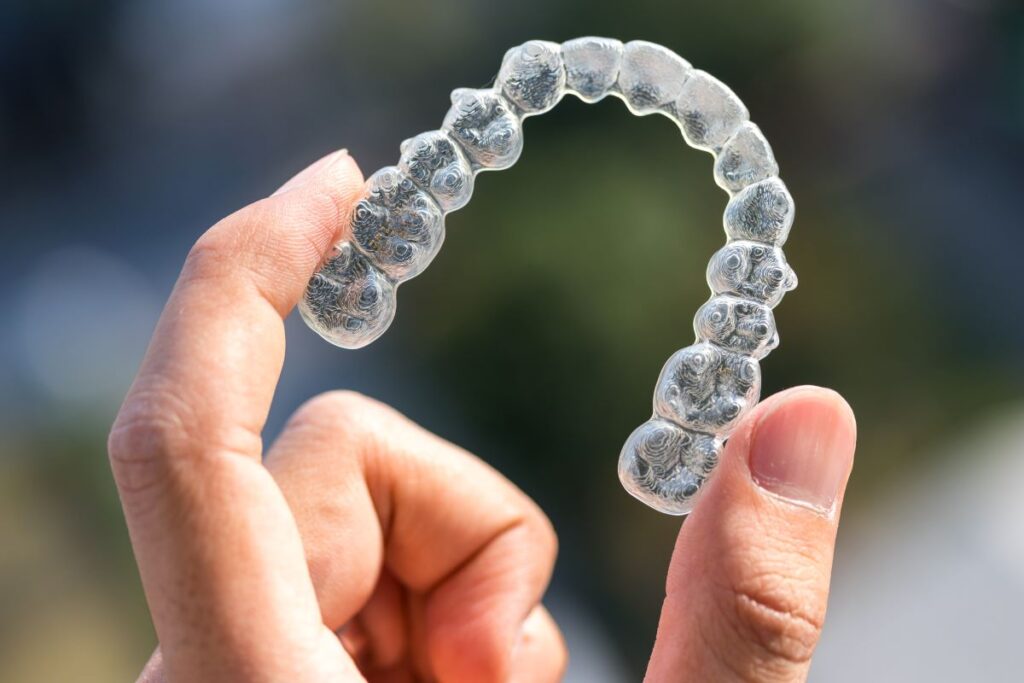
x: 398, y: 227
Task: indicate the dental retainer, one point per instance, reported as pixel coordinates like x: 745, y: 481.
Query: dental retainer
x: 397, y: 228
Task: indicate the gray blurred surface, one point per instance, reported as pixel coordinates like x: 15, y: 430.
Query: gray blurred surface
x: 929, y: 581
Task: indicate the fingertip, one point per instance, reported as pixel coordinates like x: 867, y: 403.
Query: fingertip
x: 532, y: 651
x: 474, y: 642
x: 297, y: 226
x: 339, y: 158
x: 322, y: 205
x: 784, y: 413
x: 815, y: 393
x: 318, y: 199
x: 801, y: 448
x: 341, y: 175
x: 470, y: 655
x: 476, y: 616
x: 751, y: 568
x: 799, y: 392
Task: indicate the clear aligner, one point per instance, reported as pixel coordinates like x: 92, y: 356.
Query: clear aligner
x: 397, y: 227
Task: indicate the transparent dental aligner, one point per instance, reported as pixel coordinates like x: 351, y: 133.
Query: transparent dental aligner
x: 397, y: 225
x: 486, y: 126
x: 437, y: 164
x: 738, y: 325
x: 708, y: 111
x: 591, y: 66
x: 745, y: 158
x: 762, y: 211
x: 704, y: 389
x: 665, y: 465
x: 532, y: 76
x: 650, y: 76
x: 751, y: 270
x: 349, y: 302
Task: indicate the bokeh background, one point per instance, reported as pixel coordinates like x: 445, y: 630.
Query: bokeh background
x: 126, y: 128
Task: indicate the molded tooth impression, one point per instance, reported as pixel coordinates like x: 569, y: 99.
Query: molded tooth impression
x: 349, y: 302
x: 744, y: 159
x: 706, y: 388
x: 763, y: 211
x: 751, y: 270
x: 591, y: 66
x: 397, y: 228
x: 532, y: 76
x: 397, y: 225
x: 486, y: 127
x: 436, y: 163
x: 665, y: 465
x: 707, y: 111
x: 737, y: 325
x: 650, y: 76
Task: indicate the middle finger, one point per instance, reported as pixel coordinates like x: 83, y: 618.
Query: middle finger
x: 370, y: 489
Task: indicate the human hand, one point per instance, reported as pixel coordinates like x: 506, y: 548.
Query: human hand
x: 364, y: 548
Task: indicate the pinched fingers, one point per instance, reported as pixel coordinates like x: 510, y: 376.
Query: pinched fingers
x: 748, y: 585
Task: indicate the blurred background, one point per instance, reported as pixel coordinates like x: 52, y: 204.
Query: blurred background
x: 127, y: 128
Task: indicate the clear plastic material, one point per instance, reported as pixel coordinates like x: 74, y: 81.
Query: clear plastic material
x: 751, y: 270
x: 708, y: 112
x: 738, y: 325
x: 487, y: 126
x: 437, y: 164
x: 706, y: 388
x: 349, y: 302
x: 650, y: 77
x: 591, y: 66
x: 744, y: 159
x: 397, y: 228
x: 532, y: 76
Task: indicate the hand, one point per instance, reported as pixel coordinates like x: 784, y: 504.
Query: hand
x: 363, y: 548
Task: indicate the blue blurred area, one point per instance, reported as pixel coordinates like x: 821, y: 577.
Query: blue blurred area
x: 126, y: 129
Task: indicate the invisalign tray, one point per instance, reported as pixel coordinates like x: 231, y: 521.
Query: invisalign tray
x: 398, y: 226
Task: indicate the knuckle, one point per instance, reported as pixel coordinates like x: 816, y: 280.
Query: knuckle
x: 346, y: 409
x: 158, y: 436
x: 142, y: 437
x: 351, y: 415
x: 780, y: 619
x: 342, y: 401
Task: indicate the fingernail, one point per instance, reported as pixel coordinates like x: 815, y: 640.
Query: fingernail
x: 306, y: 174
x: 803, y: 449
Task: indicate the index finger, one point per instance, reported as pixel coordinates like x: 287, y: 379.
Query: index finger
x: 185, y: 448
x: 220, y: 341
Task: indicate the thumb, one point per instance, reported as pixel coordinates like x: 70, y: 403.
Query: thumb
x: 748, y: 584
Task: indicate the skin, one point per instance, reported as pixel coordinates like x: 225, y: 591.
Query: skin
x: 360, y: 547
